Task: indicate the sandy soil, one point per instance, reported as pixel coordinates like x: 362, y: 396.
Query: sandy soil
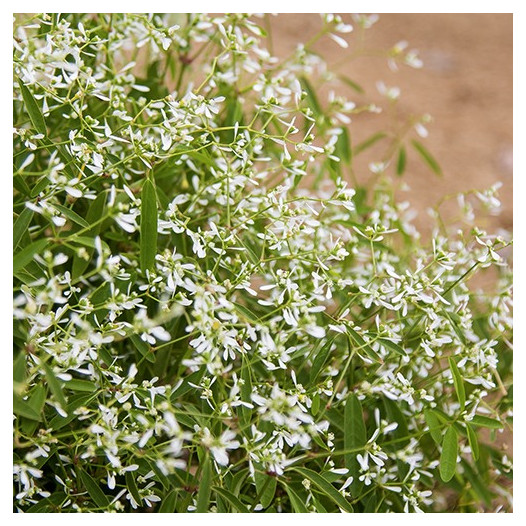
x: 466, y: 86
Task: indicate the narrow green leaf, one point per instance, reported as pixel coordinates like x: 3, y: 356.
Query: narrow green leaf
x: 245, y: 392
x: 168, y: 503
x: 19, y: 368
x: 435, y: 428
x: 33, y: 109
x: 265, y: 487
x: 354, y: 438
x: 325, y: 487
x: 320, y: 508
x: 473, y: 442
x: 94, y: 490
x: 486, y: 421
x: 427, y: 157
x: 478, y: 484
x: 232, y: 499
x: 42, y: 184
x: 312, y: 98
x: 205, y: 486
x: 363, y: 347
x: 38, y: 398
x: 76, y: 401
x: 132, y: 487
x: 20, y: 185
x: 194, y: 378
x: 21, y: 225
x: 54, y: 385
x: 84, y: 386
x: 343, y: 146
x: 148, y: 225
x: 392, y: 346
x: 25, y: 256
x: 22, y: 408
x: 143, y: 348
x: 71, y: 215
x: 298, y: 506
x: 401, y: 161
x: 315, y: 404
x: 373, y: 139
x: 448, y: 458
x: 95, y: 212
x: 459, y: 384
x: 355, y: 433
x: 454, y: 320
x: 353, y: 85
x: 394, y: 413
x: 246, y: 313
x: 320, y: 359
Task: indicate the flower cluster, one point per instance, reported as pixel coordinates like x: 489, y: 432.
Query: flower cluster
x: 211, y: 312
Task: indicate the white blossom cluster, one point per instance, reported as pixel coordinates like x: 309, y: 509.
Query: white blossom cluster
x: 289, y: 322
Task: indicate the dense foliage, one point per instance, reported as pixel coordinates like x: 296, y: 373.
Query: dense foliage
x: 211, y: 314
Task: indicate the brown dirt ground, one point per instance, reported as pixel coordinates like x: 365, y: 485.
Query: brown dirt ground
x: 466, y: 85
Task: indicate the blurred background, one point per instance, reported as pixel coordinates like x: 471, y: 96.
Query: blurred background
x: 465, y: 85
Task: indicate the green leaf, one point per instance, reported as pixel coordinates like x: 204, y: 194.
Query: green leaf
x: 478, y: 484
x: 54, y: 385
x: 454, y: 320
x: 325, y: 487
x: 298, y: 506
x: 25, y: 256
x: 132, y: 487
x: 168, y: 503
x: 448, y: 458
x: 459, y: 384
x: 265, y: 487
x: 246, y: 313
x: 392, y: 346
x: 401, y: 161
x: 473, y: 442
x: 486, y: 421
x: 312, y: 98
x: 94, y: 490
x: 245, y: 392
x: 148, y: 226
x: 38, y: 398
x: 205, y: 486
x: 19, y: 368
x: 354, y: 438
x: 21, y: 225
x: 355, y: 433
x: 394, y: 413
x: 373, y: 139
x: 22, y: 408
x: 35, y: 114
x: 315, y: 407
x: 76, y: 401
x: 320, y: 359
x: 353, y: 85
x: 363, y: 346
x: 427, y: 157
x: 84, y: 386
x: 343, y: 146
x: 95, y: 212
x: 143, y: 348
x: 71, y: 215
x: 232, y: 499
x: 435, y: 428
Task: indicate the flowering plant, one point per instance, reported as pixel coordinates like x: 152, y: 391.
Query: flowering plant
x: 211, y: 314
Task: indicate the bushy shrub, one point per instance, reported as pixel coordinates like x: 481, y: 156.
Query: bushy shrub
x: 211, y: 314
